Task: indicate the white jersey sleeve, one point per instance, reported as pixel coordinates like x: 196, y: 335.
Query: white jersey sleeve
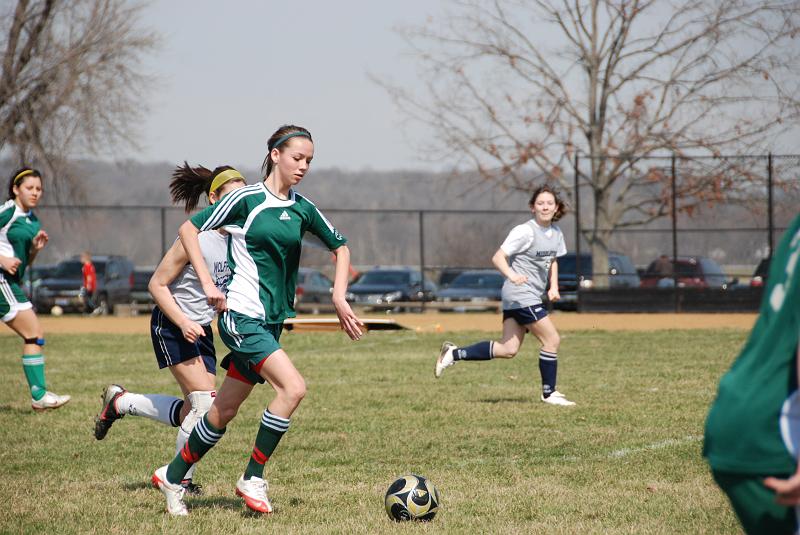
x: 518, y: 240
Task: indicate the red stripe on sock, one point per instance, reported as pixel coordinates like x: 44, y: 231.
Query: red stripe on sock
x: 259, y: 457
x: 188, y: 456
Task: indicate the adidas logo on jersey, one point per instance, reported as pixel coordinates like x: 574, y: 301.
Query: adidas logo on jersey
x: 284, y: 216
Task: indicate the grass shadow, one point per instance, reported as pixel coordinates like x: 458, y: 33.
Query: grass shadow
x: 138, y: 485
x: 12, y: 409
x: 521, y: 399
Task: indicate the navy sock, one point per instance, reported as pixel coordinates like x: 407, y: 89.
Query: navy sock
x: 479, y: 351
x: 548, y: 367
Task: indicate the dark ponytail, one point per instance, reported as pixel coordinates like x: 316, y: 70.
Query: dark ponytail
x: 188, y: 184
x: 276, y: 141
x: 18, y: 177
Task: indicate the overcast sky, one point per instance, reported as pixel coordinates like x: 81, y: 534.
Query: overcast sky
x: 231, y: 72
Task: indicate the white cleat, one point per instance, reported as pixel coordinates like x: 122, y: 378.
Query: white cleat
x: 50, y: 400
x: 173, y: 491
x: 445, y: 359
x: 557, y: 398
x: 254, y: 492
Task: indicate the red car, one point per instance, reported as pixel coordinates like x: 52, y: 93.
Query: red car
x: 688, y: 272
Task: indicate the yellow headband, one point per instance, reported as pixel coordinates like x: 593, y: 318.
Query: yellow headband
x: 223, y: 177
x: 21, y: 175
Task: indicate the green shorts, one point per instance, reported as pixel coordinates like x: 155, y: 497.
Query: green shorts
x: 12, y: 299
x: 755, y: 504
x: 250, y: 341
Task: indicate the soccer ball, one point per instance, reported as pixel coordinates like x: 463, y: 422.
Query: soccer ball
x: 412, y: 497
x: 56, y: 310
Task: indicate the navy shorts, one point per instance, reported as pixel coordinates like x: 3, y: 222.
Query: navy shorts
x: 172, y: 348
x: 526, y: 315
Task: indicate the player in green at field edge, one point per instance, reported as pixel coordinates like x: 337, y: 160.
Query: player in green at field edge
x: 266, y: 223
x: 21, y: 239
x: 752, y: 436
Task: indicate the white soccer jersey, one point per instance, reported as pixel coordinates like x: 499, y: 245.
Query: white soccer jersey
x: 186, y: 288
x: 531, y: 250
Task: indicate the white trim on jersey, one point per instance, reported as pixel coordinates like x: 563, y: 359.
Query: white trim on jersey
x: 322, y: 216
x: 224, y: 205
x: 6, y: 249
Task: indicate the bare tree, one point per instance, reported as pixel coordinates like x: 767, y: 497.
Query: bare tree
x: 71, y: 80
x: 516, y: 88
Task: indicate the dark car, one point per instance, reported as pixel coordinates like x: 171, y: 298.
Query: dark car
x: 140, y: 295
x: 313, y: 290
x: 688, y: 271
x: 622, y: 274
x: 381, y: 287
x: 475, y: 286
x: 33, y: 277
x: 114, y: 284
x: 448, y: 275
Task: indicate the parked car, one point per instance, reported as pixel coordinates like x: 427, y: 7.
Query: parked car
x: 474, y: 286
x: 140, y: 295
x: 114, y: 284
x: 381, y: 287
x: 689, y: 271
x: 622, y: 274
x: 448, y: 275
x: 33, y: 277
x: 313, y: 288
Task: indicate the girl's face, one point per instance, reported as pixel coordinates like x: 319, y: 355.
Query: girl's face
x: 28, y: 192
x: 291, y: 164
x: 227, y: 187
x: 544, y: 208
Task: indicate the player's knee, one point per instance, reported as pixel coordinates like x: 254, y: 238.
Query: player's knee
x: 294, y: 391
x: 222, y: 415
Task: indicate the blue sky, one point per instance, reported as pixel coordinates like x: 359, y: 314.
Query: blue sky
x: 229, y: 73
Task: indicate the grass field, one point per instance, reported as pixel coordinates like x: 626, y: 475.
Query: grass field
x: 625, y: 460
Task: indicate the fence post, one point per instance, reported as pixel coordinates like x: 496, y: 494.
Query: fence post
x: 577, y: 235
x: 422, y: 256
x: 674, y: 216
x: 163, y: 231
x: 770, y: 207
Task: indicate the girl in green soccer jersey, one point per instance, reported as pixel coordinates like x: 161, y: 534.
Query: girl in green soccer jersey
x: 21, y: 239
x: 266, y: 223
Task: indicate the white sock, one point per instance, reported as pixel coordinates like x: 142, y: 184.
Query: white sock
x: 201, y: 401
x: 154, y: 406
x: 183, y: 438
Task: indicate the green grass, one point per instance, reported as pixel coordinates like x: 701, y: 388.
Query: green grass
x: 625, y: 460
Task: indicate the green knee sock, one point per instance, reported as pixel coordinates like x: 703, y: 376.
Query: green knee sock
x: 34, y: 373
x: 269, y: 434
x: 204, y: 436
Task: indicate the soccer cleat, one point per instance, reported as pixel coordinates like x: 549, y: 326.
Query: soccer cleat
x: 557, y: 398
x: 254, y: 492
x: 50, y: 400
x: 445, y: 359
x: 108, y: 415
x: 174, y: 492
x: 192, y: 488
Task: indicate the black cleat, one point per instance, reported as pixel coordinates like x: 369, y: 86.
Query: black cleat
x: 192, y: 488
x: 107, y: 416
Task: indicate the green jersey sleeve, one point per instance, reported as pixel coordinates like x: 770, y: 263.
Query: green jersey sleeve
x: 319, y: 225
x: 222, y: 213
x: 6, y: 213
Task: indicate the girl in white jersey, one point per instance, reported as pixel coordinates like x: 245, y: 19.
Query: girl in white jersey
x: 266, y: 223
x: 527, y: 258
x: 180, y: 325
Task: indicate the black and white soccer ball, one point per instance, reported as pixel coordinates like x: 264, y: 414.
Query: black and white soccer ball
x: 412, y: 497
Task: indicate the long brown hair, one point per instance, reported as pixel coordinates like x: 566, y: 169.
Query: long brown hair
x: 561, y: 207
x: 274, y: 141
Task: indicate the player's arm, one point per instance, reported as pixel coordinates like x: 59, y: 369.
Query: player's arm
x: 168, y: 269
x: 552, y: 293
x: 9, y: 264
x: 500, y: 261
x: 189, y: 235
x: 347, y: 318
x: 38, y: 243
x: 787, y: 491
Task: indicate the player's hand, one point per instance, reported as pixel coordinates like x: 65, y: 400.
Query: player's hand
x: 787, y: 491
x: 553, y: 295
x: 10, y: 264
x: 40, y: 240
x: 347, y: 319
x: 518, y: 279
x: 215, y: 298
x: 191, y: 330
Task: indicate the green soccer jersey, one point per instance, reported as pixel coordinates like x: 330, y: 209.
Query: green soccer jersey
x: 754, y: 424
x: 264, y: 247
x: 17, y: 230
